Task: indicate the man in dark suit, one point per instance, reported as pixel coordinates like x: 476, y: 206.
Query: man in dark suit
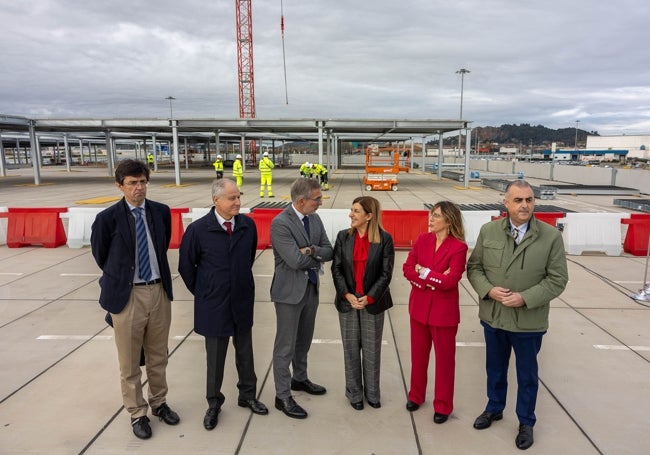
x: 300, y: 246
x: 216, y: 263
x: 129, y: 242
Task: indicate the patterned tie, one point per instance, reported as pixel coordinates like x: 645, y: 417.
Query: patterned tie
x: 228, y: 225
x: 311, y: 273
x: 515, y: 235
x: 141, y: 243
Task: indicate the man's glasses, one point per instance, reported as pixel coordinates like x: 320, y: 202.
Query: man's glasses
x: 134, y: 183
x: 317, y: 199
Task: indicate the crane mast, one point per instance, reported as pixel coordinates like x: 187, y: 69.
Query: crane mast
x: 245, y: 71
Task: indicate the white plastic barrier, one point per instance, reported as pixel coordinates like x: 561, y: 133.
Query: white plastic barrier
x: 3, y: 227
x: 198, y: 212
x: 334, y: 221
x: 80, y: 221
x: 472, y: 222
x: 599, y: 232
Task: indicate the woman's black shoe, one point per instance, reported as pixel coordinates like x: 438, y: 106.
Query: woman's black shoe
x: 412, y: 406
x: 440, y: 418
x: 357, y: 405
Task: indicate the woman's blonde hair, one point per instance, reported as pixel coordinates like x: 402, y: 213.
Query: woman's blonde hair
x: 453, y: 216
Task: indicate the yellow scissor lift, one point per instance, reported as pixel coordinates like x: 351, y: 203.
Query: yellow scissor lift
x: 382, y: 166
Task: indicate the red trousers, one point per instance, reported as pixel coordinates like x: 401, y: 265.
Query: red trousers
x: 444, y: 345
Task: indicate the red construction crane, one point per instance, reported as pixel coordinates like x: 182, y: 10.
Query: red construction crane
x: 245, y: 71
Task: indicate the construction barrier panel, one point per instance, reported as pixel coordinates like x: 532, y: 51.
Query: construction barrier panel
x: 334, y: 220
x: 472, y: 222
x: 35, y: 226
x: 3, y: 225
x: 263, y: 220
x: 638, y: 233
x: 405, y: 225
x: 593, y: 232
x: 80, y: 222
x: 177, y: 226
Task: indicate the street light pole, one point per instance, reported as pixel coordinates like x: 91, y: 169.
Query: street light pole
x: 462, y: 73
x: 576, y: 143
x: 171, y: 111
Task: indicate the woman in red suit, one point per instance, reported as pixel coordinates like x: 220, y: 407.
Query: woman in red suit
x: 434, y: 267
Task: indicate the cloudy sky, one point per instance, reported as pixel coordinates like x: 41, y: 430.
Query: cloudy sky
x: 548, y: 62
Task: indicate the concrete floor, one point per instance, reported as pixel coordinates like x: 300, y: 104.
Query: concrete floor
x: 59, y: 381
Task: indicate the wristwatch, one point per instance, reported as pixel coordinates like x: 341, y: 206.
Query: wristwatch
x: 309, y: 251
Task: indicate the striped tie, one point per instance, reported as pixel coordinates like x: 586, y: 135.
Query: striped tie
x: 141, y: 242
x: 515, y: 235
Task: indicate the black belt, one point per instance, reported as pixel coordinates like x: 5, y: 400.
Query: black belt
x: 147, y: 283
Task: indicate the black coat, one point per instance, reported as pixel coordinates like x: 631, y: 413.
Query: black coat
x: 113, y: 246
x: 218, y: 269
x: 376, y: 278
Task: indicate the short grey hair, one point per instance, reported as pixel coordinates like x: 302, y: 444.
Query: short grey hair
x: 219, y: 186
x: 302, y: 188
x: 520, y: 183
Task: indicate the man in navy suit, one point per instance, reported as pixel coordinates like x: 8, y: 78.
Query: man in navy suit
x: 136, y: 289
x: 300, y: 246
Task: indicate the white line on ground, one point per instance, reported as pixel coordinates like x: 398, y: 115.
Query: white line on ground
x: 620, y: 347
x: 74, y: 337
x: 79, y: 274
x: 11, y: 273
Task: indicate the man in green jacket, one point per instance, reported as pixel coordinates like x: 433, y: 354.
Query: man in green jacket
x: 517, y: 267
x: 238, y: 172
x: 266, y: 174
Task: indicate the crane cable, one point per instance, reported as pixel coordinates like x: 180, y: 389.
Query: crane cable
x: 284, y: 59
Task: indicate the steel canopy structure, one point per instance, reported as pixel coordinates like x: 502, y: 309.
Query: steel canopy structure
x: 316, y: 130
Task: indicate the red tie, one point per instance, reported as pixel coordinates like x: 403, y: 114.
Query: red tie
x: 228, y: 225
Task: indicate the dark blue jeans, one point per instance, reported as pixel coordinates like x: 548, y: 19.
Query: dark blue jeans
x: 498, y: 346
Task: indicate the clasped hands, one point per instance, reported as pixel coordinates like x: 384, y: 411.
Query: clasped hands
x: 358, y: 303
x: 506, y: 297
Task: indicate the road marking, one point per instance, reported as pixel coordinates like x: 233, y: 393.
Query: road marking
x: 79, y: 274
x: 470, y: 344
x: 620, y: 347
x: 11, y: 273
x: 74, y: 337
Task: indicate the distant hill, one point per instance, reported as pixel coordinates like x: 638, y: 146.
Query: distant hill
x: 525, y: 134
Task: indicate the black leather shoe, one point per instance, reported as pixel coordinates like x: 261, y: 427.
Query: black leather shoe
x: 164, y: 413
x: 525, y: 437
x: 141, y: 427
x: 440, y: 418
x: 308, y: 386
x: 290, y: 408
x: 376, y: 405
x: 485, y: 420
x: 358, y: 405
x: 211, y: 418
x: 412, y: 406
x: 256, y: 406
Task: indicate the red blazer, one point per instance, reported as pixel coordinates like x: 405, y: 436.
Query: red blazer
x: 434, y: 300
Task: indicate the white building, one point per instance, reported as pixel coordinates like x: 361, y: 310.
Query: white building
x: 637, y: 146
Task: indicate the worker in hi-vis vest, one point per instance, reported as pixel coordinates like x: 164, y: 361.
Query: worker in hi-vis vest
x: 266, y: 174
x: 218, y: 166
x: 238, y: 172
x: 321, y: 171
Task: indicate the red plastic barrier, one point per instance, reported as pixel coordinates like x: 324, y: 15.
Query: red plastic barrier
x: 37, y: 225
x: 405, y: 225
x: 263, y: 220
x: 177, y: 227
x: 638, y: 233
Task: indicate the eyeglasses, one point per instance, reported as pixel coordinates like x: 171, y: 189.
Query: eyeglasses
x: 437, y: 215
x: 317, y: 199
x: 134, y: 183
